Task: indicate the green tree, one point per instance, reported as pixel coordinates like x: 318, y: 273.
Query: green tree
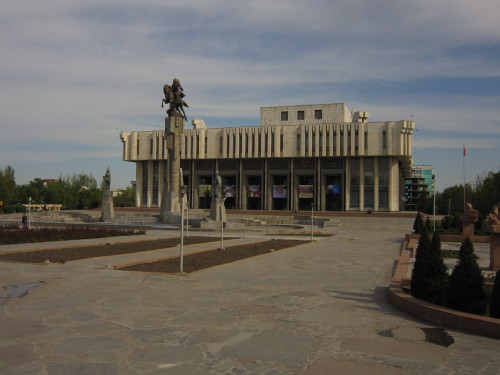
x: 73, y: 192
x: 424, y: 203
x: 429, y: 275
x: 486, y: 191
x: 7, y: 185
x: 126, y: 198
x: 419, y: 272
x: 495, y: 297
x: 465, y: 286
x: 437, y: 272
x: 418, y: 224
x: 428, y: 225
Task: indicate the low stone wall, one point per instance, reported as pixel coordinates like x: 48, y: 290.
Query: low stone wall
x: 428, y: 312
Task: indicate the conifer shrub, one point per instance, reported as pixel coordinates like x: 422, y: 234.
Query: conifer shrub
x: 418, y: 224
x: 495, y: 298
x: 465, y: 286
x: 447, y: 222
x: 418, y: 272
x: 428, y: 225
x: 429, y: 276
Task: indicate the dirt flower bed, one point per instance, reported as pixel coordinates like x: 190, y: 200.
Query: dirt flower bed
x: 207, y: 259
x: 82, y: 252
x: 14, y: 235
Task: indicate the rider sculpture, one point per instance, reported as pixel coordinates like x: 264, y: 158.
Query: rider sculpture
x: 173, y: 96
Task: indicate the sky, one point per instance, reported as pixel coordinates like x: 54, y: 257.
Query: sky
x: 74, y: 74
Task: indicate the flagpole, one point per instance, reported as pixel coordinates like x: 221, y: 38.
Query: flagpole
x: 465, y: 153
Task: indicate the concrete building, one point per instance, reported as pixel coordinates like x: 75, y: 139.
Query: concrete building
x: 320, y: 155
x: 419, y: 182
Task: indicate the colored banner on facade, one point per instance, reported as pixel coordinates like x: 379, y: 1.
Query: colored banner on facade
x: 333, y: 189
x: 205, y: 191
x: 306, y: 191
x: 229, y: 191
x: 253, y: 191
x: 279, y: 191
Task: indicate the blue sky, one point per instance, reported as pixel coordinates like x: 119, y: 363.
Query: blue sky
x: 73, y: 74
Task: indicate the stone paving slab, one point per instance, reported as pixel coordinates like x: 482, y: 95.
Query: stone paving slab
x: 319, y: 306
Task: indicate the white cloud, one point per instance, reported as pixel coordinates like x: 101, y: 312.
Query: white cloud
x: 78, y: 72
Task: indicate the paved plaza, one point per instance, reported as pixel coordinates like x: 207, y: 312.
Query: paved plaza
x: 319, y: 308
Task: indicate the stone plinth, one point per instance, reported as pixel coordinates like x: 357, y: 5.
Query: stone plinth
x: 107, y: 210
x: 218, y: 211
x: 495, y: 248
x: 468, y: 219
x: 171, y: 199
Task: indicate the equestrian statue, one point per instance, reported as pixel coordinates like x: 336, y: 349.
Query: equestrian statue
x: 174, y: 96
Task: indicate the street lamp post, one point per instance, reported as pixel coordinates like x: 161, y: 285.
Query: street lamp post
x: 183, y: 197
x: 29, y: 213
x: 312, y: 221
x: 434, y: 196
x: 187, y: 219
x: 222, y: 226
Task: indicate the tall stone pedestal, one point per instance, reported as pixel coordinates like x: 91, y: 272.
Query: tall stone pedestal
x: 171, y: 199
x: 468, y: 219
x: 218, y: 211
x: 495, y: 247
x: 107, y: 210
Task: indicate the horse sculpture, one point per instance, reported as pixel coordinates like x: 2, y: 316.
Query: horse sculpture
x: 173, y: 96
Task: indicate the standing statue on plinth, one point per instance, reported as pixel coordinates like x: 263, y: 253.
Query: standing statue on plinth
x: 217, y: 188
x: 493, y: 218
x: 174, y: 127
x: 491, y: 224
x: 107, y: 209
x: 217, y: 209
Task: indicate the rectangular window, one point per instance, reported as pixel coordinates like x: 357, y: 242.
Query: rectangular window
x: 354, y: 164
x: 368, y: 202
x: 281, y: 142
x: 206, y: 145
x: 349, y: 151
x: 366, y: 140
x: 220, y: 146
x: 145, y: 183
x: 356, y: 141
x: 354, y: 198
x: 354, y: 188
x: 156, y: 180
x: 300, y: 115
x: 384, y: 140
x: 318, y: 114
x: 284, y: 116
x: 298, y: 142
x: 383, y: 182
x: 369, y: 171
x: 383, y: 197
